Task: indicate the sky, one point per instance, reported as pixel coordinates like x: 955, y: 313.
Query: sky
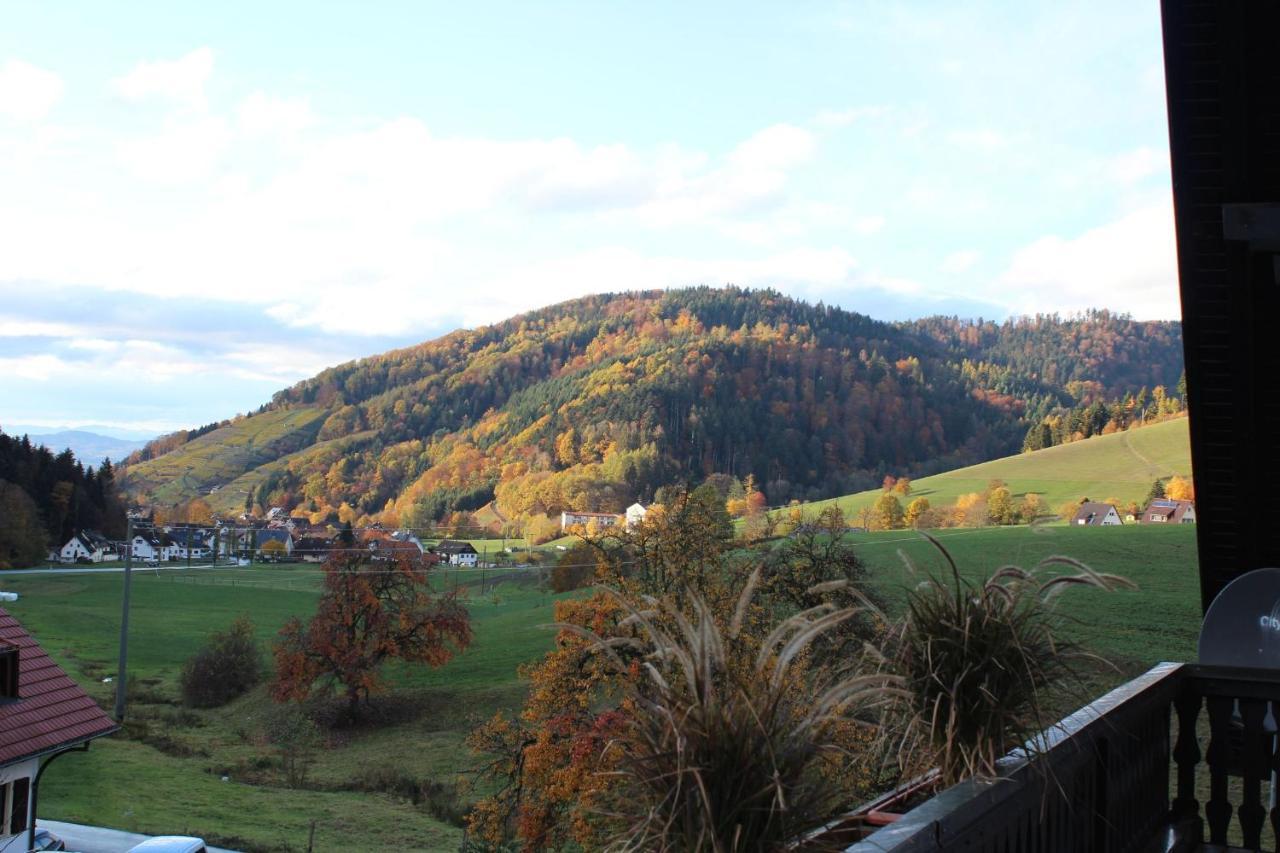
x: 201, y: 204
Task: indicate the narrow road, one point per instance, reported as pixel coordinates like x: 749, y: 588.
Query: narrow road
x: 99, y: 839
x: 107, y: 570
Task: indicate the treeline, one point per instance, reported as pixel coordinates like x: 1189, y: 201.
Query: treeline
x: 1064, y: 426
x: 45, y: 498
x: 1110, y: 351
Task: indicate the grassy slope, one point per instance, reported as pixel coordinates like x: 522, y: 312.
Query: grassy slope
x: 226, y: 453
x: 131, y: 785
x: 1122, y: 465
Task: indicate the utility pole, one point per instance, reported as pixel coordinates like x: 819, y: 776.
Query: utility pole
x: 122, y: 669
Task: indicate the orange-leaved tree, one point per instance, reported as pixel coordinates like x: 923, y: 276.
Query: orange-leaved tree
x: 368, y: 613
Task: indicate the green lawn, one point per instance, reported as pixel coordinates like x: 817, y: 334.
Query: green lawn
x: 1122, y: 466
x: 169, y: 778
x: 1160, y: 621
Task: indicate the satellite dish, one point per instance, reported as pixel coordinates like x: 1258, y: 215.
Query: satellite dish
x: 1242, y: 627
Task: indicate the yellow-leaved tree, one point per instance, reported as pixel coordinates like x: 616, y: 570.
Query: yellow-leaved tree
x: 1180, y: 489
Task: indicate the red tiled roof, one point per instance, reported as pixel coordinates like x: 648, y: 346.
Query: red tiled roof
x: 51, y: 710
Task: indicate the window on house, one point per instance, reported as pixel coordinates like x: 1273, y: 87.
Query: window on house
x: 16, y: 798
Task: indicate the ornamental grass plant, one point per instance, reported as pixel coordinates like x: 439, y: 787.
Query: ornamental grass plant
x: 733, y: 751
x: 985, y: 665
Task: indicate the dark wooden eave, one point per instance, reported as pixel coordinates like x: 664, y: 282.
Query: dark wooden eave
x: 1223, y: 83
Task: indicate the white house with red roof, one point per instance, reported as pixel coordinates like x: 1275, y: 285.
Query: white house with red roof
x: 43, y: 713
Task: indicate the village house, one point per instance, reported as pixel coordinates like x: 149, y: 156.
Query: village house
x: 388, y: 550
x: 1169, y: 511
x: 187, y: 542
x: 587, y: 519
x: 312, y: 549
x: 456, y: 552
x: 1097, y: 514
x: 43, y: 714
x: 274, y: 534
x: 634, y: 515
x: 89, y: 545
x: 409, y: 536
x: 146, y: 546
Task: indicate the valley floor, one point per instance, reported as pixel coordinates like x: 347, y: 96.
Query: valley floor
x: 165, y: 774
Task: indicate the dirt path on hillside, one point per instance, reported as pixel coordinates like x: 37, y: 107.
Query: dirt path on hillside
x: 1128, y: 443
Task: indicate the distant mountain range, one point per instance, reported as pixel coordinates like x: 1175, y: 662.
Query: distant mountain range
x: 596, y: 402
x: 89, y: 447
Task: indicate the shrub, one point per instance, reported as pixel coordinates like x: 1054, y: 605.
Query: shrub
x: 732, y: 741
x: 981, y: 664
x: 575, y: 569
x: 228, y: 666
x: 296, y: 738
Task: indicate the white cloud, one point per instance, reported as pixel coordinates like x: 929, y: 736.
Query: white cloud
x: 781, y: 146
x: 183, y: 151
x: 95, y: 344
x: 35, y: 329
x: 179, y: 80
x: 982, y: 139
x: 1132, y: 166
x: 844, y: 118
x: 37, y: 368
x: 27, y: 93
x: 869, y: 224
x: 1126, y: 265
x: 958, y: 262
x: 263, y: 115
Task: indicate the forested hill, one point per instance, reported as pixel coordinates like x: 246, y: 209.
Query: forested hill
x: 596, y: 402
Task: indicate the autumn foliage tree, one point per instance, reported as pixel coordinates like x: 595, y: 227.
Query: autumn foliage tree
x: 368, y: 613
x: 1180, y: 489
x: 887, y: 512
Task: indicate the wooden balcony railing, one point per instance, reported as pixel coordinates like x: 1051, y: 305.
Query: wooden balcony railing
x: 1125, y: 773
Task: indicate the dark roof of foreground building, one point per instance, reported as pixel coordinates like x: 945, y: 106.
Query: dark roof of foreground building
x: 51, y: 711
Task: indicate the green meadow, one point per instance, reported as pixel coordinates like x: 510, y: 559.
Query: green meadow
x: 165, y: 773
x: 1133, y: 629
x: 1122, y: 466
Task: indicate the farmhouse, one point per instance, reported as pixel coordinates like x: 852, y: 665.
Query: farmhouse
x: 43, y: 714
x: 87, y: 545
x: 635, y: 514
x: 1097, y: 514
x: 1169, y: 511
x: 585, y: 519
x: 456, y: 552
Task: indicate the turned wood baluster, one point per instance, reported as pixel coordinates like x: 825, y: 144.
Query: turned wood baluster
x: 1218, y: 809
x: 1186, y: 754
x: 1274, y: 766
x: 1257, y: 746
